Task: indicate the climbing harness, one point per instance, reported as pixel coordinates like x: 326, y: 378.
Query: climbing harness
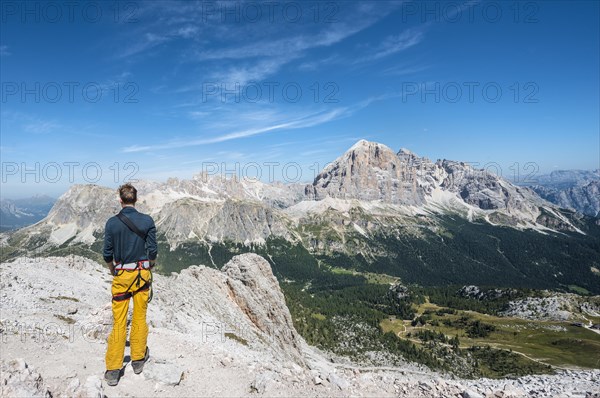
x: 140, y: 265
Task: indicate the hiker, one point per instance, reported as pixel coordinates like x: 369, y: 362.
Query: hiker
x: 130, y: 253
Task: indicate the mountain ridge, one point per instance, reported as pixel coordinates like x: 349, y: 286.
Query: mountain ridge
x: 371, y: 207
x: 573, y: 189
x: 368, y: 171
x: 18, y: 213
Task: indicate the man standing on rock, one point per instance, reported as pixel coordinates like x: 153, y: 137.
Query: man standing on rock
x: 130, y: 252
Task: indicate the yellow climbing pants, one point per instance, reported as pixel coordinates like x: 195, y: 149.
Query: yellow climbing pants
x: 139, y: 327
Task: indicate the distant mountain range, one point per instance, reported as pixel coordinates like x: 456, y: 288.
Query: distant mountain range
x: 573, y: 189
x: 372, y: 209
x: 19, y: 213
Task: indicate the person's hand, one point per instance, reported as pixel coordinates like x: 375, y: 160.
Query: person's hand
x: 111, y: 267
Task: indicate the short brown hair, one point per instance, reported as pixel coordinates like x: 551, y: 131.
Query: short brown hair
x: 128, y: 194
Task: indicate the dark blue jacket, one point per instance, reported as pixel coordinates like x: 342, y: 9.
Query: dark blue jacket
x: 123, y: 245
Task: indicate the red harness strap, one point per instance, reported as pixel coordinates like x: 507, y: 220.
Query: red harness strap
x: 127, y: 295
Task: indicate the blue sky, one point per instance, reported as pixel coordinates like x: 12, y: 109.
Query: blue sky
x: 193, y: 85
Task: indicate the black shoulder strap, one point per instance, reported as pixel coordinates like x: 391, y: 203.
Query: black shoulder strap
x: 131, y: 225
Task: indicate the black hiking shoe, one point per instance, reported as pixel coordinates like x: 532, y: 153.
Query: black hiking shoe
x: 112, y: 377
x: 138, y: 366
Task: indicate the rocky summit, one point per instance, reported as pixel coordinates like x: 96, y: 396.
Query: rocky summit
x: 373, y: 172
x: 212, y: 333
x: 370, y: 171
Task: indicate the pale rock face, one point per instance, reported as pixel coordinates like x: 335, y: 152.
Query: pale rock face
x: 368, y: 171
x: 207, y: 206
x: 228, y: 220
x: 254, y: 288
x: 584, y: 199
x: 373, y: 172
x: 412, y: 185
x: 219, y: 187
x: 9, y: 211
x: 81, y: 212
x: 243, y: 298
x: 578, y: 190
x: 212, y: 210
x: 487, y: 191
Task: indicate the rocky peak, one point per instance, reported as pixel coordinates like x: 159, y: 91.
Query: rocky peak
x: 8, y: 206
x: 483, y: 189
x: 364, y: 146
x: 367, y: 171
x: 81, y: 212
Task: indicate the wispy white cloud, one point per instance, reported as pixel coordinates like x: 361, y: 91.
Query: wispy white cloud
x: 28, y: 123
x: 117, y: 81
x: 251, y: 72
x: 313, y: 152
x: 289, y: 45
x: 4, y: 51
x: 232, y: 155
x: 247, y: 52
x: 309, y: 120
x: 195, y: 161
x: 41, y: 127
x: 198, y: 114
x: 392, y: 45
x: 187, y: 32
x: 266, y: 57
x: 147, y: 42
x: 21, y: 122
x: 318, y: 63
x: 276, y: 123
x: 404, y: 69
